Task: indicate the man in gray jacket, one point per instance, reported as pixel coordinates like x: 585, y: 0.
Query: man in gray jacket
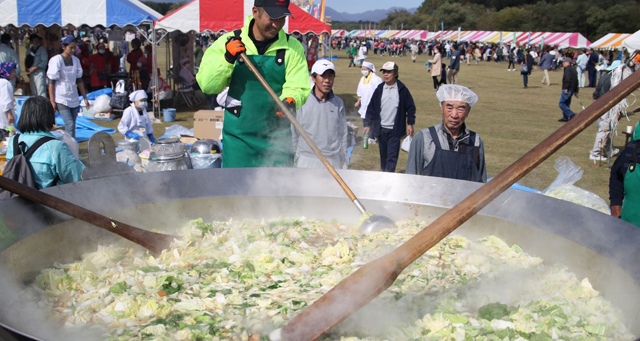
x: 546, y: 62
x: 323, y: 117
x: 449, y: 149
x: 38, y: 70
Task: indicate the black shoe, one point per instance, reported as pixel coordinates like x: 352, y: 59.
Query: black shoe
x: 563, y: 120
x: 571, y: 117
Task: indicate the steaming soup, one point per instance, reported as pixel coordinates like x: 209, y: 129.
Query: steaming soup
x: 232, y: 279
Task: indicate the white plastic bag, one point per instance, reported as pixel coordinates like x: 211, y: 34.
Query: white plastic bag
x: 69, y: 140
x: 101, y: 104
x: 178, y: 130
x: 406, y: 143
x: 562, y: 187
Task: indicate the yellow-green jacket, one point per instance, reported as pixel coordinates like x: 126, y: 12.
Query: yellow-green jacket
x: 215, y: 72
x: 253, y: 135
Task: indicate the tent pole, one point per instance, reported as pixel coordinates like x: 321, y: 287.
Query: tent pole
x: 154, y: 65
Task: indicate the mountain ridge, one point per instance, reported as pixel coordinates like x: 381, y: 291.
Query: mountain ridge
x: 372, y: 15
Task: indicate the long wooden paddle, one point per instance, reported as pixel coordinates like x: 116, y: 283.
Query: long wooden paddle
x: 155, y: 242
x: 373, y: 278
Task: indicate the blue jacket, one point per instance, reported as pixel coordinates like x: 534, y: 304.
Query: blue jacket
x: 53, y: 159
x: 406, y: 110
x: 455, y: 60
x: 546, y: 62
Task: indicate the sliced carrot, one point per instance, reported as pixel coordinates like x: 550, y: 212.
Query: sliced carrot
x: 162, y: 293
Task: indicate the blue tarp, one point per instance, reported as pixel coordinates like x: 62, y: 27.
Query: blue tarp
x: 74, y: 12
x: 520, y: 187
x: 85, y: 128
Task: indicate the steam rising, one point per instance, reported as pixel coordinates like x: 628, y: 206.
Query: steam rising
x: 376, y: 316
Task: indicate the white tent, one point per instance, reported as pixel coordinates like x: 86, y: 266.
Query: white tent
x: 632, y: 43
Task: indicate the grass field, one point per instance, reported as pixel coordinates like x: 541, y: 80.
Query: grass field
x: 511, y: 120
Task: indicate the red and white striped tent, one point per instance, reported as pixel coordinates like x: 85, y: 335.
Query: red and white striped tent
x: 218, y: 15
x: 338, y: 33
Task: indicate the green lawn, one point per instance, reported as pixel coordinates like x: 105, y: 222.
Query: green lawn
x: 511, y: 120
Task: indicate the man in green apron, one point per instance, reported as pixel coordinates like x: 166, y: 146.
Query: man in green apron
x: 253, y: 134
x: 624, y: 185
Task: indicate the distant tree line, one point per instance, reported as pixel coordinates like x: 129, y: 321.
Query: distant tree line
x: 592, y: 18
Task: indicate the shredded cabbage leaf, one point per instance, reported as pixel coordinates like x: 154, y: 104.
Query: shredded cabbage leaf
x: 237, y: 278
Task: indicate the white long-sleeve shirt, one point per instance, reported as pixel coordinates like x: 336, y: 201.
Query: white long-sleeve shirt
x: 133, y: 121
x: 365, y: 91
x: 7, y: 102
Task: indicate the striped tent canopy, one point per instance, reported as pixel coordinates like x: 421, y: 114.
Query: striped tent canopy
x: 611, y: 40
x: 389, y: 33
x: 524, y: 37
x: 75, y: 12
x: 218, y: 15
x: 338, y: 33
x: 632, y: 43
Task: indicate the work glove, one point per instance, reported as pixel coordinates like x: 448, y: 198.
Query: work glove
x: 234, y: 48
x: 131, y: 135
x: 290, y: 103
x: 151, y: 138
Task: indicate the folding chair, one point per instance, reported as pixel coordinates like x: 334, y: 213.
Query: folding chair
x: 187, y: 94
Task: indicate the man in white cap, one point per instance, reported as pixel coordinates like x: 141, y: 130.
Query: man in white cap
x: 392, y: 113
x: 323, y: 117
x: 367, y: 85
x: 449, y: 149
x: 254, y: 136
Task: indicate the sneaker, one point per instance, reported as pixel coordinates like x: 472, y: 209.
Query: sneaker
x: 615, y: 152
x: 373, y: 141
x: 563, y: 120
x: 597, y: 158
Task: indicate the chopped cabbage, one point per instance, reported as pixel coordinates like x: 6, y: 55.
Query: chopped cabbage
x: 231, y: 279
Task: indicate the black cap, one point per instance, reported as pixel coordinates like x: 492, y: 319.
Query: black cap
x: 275, y: 9
x: 33, y: 36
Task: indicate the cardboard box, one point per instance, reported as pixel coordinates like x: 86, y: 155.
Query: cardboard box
x: 188, y: 139
x: 207, y: 124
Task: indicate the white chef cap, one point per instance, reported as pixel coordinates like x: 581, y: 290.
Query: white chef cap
x: 369, y: 65
x: 137, y: 95
x: 453, y: 92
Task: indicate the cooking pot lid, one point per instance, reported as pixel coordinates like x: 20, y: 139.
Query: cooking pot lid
x: 168, y: 140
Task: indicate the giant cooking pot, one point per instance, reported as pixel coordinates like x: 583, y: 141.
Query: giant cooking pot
x: 592, y: 244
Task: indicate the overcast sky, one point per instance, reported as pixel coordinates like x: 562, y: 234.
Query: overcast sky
x: 358, y: 6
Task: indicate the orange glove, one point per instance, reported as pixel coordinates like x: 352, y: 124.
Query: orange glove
x: 234, y: 48
x: 290, y: 103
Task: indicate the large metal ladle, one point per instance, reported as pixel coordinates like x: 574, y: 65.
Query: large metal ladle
x: 375, y: 277
x: 368, y: 221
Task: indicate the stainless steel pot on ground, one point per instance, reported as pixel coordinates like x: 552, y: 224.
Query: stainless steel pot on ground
x: 592, y: 244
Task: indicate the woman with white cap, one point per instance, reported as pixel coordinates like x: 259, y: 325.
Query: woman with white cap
x: 367, y: 85
x: 7, y: 101
x: 135, y: 122
x: 65, y: 78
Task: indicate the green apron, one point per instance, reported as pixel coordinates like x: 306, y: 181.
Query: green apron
x: 631, y: 204
x: 253, y: 135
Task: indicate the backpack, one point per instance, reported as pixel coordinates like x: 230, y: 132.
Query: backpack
x: 18, y: 169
